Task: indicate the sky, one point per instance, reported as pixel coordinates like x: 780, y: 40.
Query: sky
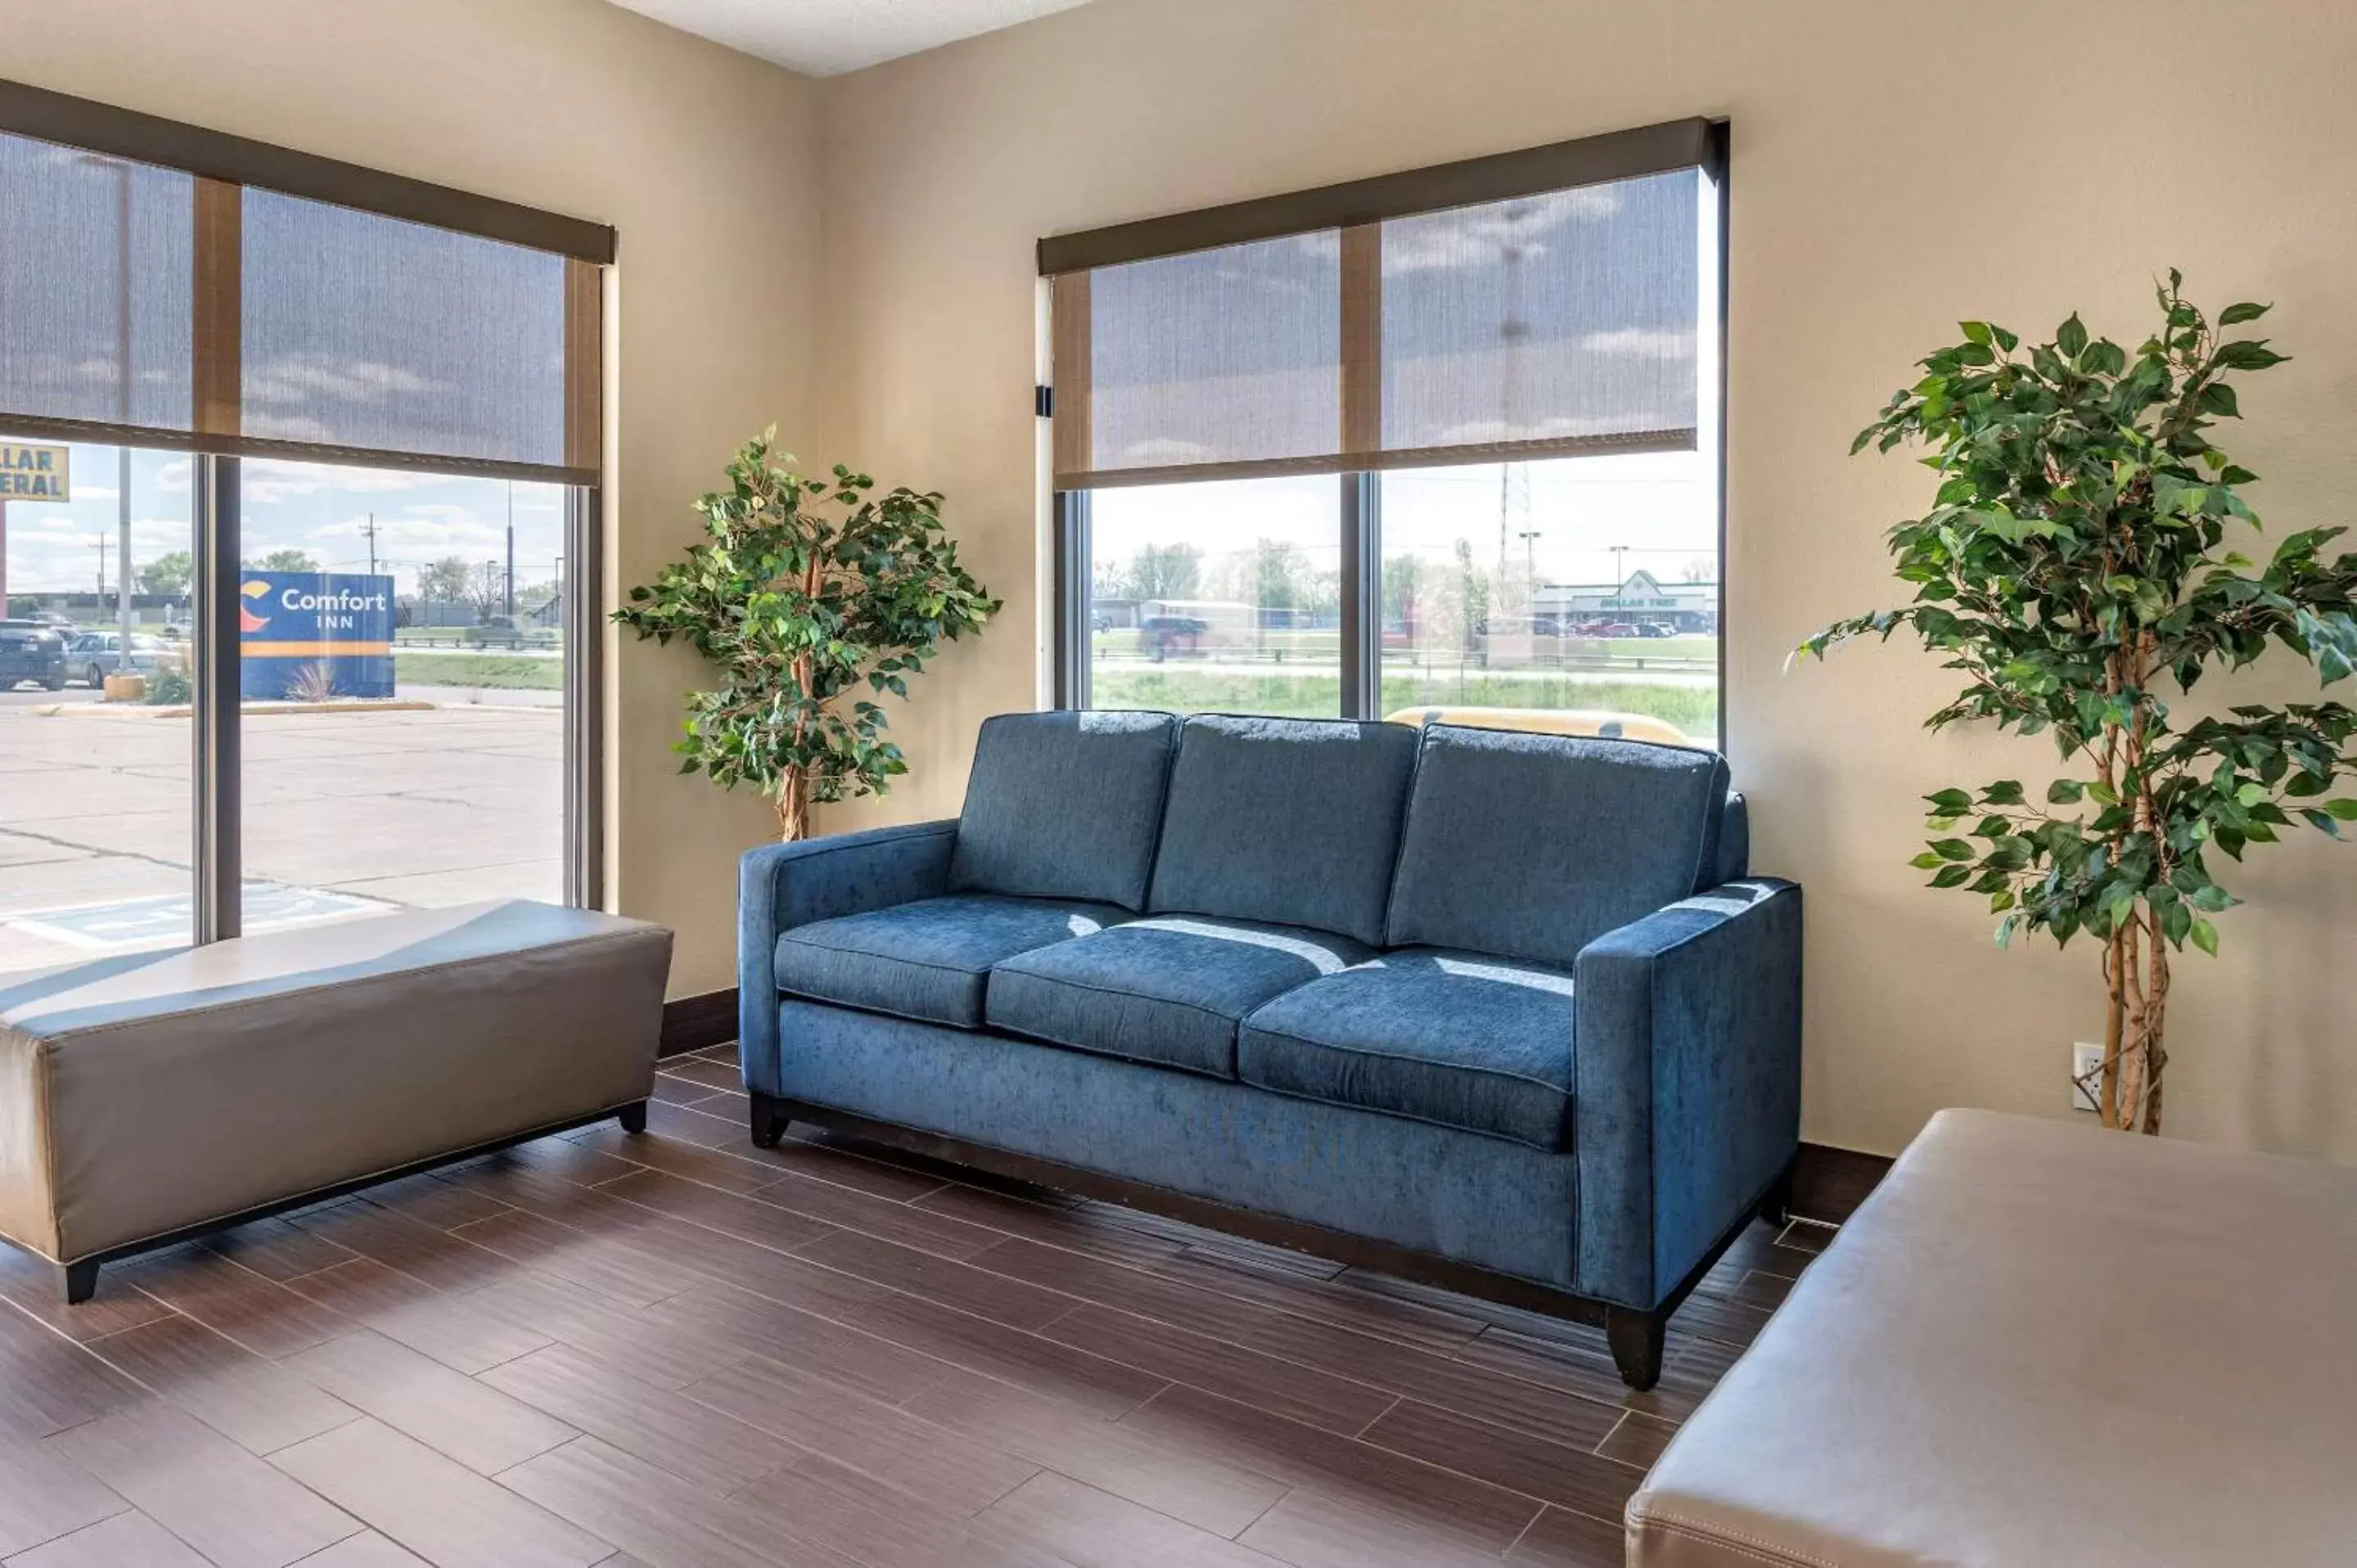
x: 1662, y: 507
x: 318, y: 508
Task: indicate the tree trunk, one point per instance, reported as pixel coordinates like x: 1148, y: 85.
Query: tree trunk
x: 2136, y: 959
x: 2136, y: 974
x: 794, y: 806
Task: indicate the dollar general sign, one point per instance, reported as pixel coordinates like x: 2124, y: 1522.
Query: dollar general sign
x: 33, y: 473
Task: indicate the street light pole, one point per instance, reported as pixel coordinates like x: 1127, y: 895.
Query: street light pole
x: 122, y: 400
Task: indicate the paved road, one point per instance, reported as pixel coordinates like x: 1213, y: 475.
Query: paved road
x: 417, y: 808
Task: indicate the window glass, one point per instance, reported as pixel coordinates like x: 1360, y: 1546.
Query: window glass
x: 1588, y: 585
x: 96, y: 803
x: 1569, y: 316
x: 402, y: 662
x: 370, y: 332
x: 1217, y: 356
x: 96, y: 259
x: 1224, y: 596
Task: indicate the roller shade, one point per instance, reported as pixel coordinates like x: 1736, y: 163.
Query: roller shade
x: 161, y: 306
x: 1544, y: 323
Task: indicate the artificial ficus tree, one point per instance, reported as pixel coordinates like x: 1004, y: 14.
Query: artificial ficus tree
x: 2076, y: 569
x: 811, y: 596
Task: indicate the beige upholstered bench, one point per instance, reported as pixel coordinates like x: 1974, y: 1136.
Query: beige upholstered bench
x: 2040, y: 1344
x: 150, y: 1098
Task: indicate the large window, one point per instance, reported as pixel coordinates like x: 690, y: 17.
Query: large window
x: 1438, y: 442
x: 297, y: 523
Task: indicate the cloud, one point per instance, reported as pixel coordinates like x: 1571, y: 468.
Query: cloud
x: 1652, y: 342
x: 1481, y: 236
x: 268, y: 480
x: 306, y: 379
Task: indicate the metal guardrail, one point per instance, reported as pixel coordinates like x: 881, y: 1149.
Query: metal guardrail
x: 403, y: 641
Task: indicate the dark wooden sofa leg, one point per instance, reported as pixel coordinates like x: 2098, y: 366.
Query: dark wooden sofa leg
x: 80, y: 1282
x: 1636, y: 1340
x: 768, y: 1120
x: 633, y: 1118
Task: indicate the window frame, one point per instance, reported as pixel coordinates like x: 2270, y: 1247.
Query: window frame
x: 1498, y: 177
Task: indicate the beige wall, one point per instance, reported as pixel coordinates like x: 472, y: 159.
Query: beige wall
x: 1895, y: 167
x: 703, y: 159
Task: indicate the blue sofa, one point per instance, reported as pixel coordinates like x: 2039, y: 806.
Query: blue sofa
x: 1497, y: 1011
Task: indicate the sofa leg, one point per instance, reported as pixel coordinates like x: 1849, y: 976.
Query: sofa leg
x: 633, y: 1118
x: 768, y: 1120
x: 80, y: 1282
x: 1636, y: 1340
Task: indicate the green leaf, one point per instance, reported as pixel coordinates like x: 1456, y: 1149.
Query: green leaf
x: 2218, y: 398
x: 1954, y: 848
x: 2235, y: 315
x: 2345, y: 811
x: 2003, y: 792
x: 2072, y: 337
x: 2064, y: 793
x: 1927, y: 861
x: 1952, y: 876
x: 1975, y: 332
x: 2205, y: 937
x: 2250, y: 354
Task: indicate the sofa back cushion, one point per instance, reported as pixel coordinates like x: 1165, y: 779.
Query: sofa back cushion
x: 1064, y: 805
x: 1290, y: 820
x: 1534, y: 845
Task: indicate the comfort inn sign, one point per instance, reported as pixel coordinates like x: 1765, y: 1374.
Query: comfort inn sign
x: 33, y: 473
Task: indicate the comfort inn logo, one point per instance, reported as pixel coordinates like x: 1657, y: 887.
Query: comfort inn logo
x: 247, y: 621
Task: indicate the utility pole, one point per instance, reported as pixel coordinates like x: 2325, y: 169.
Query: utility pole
x: 371, y: 531
x: 99, y: 544
x: 510, y: 590
x: 123, y: 399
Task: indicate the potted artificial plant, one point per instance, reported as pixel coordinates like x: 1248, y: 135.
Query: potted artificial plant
x: 809, y: 596
x: 2075, y: 567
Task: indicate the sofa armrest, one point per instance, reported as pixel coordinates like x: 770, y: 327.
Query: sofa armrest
x: 1686, y: 1067
x: 781, y: 885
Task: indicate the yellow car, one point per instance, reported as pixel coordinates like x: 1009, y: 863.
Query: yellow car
x: 1545, y: 721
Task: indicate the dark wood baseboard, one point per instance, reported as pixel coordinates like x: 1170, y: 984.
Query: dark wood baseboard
x: 692, y: 1023
x: 1828, y: 1183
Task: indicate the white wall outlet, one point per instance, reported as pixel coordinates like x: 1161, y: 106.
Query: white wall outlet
x: 2084, y: 1059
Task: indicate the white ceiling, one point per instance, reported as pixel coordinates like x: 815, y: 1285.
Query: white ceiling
x: 826, y: 38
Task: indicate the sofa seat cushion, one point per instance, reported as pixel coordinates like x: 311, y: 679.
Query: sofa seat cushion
x: 1169, y: 990
x: 930, y: 959
x: 1464, y: 1039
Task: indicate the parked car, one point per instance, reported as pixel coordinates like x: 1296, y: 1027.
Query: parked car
x: 1656, y: 628
x: 1609, y: 628
x: 31, y: 650
x: 1162, y: 636
x: 95, y: 655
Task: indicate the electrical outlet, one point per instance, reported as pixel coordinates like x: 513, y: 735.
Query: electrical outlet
x: 2084, y: 1059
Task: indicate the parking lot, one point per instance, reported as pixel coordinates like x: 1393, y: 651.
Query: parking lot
x: 343, y: 811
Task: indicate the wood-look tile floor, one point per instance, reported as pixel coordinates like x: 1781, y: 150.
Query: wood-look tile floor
x: 679, y: 1351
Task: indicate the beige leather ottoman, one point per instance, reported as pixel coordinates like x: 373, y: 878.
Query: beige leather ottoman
x: 150, y: 1096
x: 2040, y: 1344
